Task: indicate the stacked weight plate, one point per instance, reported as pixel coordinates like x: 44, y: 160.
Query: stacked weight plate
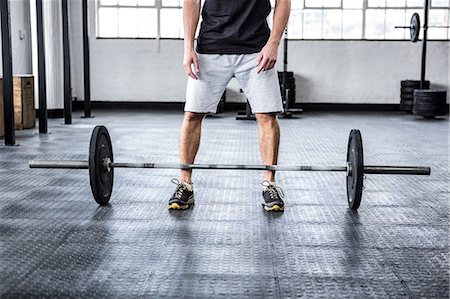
x: 430, y: 103
x: 407, y: 93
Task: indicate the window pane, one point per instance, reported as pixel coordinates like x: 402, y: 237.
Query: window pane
x: 175, y: 3
x: 396, y: 3
x: 331, y: 3
x: 128, y: 20
x: 295, y: 26
x: 270, y: 20
x: 414, y: 3
x: 146, y: 2
x: 322, y: 3
x: 393, y: 17
x: 108, y: 22
x: 375, y: 23
x: 297, y: 4
x: 313, y: 24
x: 313, y: 3
x: 182, y: 25
x: 147, y: 22
x: 332, y: 24
x: 377, y: 3
x: 438, y: 17
x: 352, y: 24
x: 440, y: 3
x: 108, y: 2
x: 170, y: 22
x: 352, y: 3
x: 128, y: 2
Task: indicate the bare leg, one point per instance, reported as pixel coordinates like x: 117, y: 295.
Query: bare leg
x: 269, y: 141
x: 190, y: 142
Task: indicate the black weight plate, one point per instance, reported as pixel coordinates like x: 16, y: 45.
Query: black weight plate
x: 101, y: 179
x: 409, y: 96
x: 355, y: 177
x: 414, y: 83
x: 288, y: 74
x: 430, y: 102
x: 415, y: 27
x: 408, y: 90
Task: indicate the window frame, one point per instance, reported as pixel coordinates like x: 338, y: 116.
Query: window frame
x: 365, y: 7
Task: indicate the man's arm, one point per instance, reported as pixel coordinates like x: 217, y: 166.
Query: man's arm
x: 268, y: 55
x: 191, y: 14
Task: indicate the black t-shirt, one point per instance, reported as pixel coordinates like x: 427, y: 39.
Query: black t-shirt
x: 234, y: 26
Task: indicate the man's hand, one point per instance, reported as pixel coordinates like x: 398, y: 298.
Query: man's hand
x: 190, y: 58
x: 268, y: 57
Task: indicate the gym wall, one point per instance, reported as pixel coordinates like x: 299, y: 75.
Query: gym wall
x: 326, y: 71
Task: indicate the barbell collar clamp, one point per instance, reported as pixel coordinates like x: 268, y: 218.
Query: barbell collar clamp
x: 349, y: 169
x: 107, y: 164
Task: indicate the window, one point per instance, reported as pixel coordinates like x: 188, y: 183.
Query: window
x: 140, y: 19
x: 310, y: 19
x: 383, y: 15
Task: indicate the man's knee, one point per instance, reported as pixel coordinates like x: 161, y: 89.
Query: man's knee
x: 193, y: 117
x: 267, y: 119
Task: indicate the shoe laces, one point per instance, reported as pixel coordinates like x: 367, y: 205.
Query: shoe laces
x: 274, y: 191
x: 180, y: 188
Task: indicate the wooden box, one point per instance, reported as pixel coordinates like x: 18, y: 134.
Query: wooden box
x: 24, y: 107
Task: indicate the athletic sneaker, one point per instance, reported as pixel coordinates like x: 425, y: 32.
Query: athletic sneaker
x: 183, y: 197
x: 272, y: 197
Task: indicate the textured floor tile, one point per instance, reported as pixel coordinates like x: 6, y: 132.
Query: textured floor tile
x: 55, y: 241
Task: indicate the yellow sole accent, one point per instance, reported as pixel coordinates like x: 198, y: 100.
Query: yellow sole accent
x: 176, y: 206
x: 275, y: 208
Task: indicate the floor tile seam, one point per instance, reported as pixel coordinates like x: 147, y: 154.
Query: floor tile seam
x: 391, y: 265
x: 274, y: 259
x: 150, y: 276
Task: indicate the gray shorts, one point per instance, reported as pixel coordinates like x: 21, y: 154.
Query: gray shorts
x: 262, y: 90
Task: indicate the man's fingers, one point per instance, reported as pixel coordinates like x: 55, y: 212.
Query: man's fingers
x: 271, y: 64
x: 263, y: 65
x: 188, y: 69
x: 260, y: 58
x: 197, y: 67
x: 192, y: 75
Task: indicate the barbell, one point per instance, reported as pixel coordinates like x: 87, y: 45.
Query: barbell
x: 414, y: 27
x: 101, y: 167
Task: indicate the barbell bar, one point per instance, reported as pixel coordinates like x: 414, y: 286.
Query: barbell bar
x: 101, y: 167
x: 433, y: 26
x: 63, y: 164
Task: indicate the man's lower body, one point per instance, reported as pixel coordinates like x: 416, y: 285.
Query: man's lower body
x: 203, y: 96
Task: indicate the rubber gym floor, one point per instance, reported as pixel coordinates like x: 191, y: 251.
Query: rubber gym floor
x: 55, y: 241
